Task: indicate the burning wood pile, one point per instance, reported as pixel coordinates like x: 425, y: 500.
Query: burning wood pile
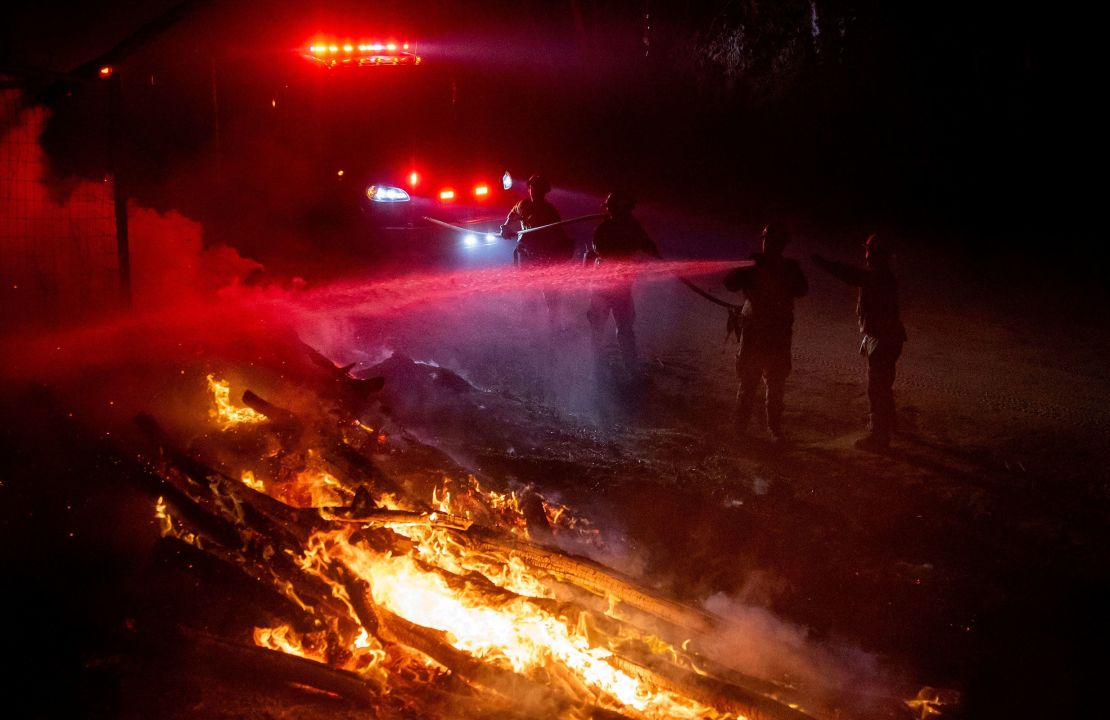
x: 401, y: 583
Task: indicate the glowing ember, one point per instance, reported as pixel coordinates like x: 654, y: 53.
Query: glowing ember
x: 226, y: 414
x: 249, y: 480
x: 286, y: 640
x: 166, y: 526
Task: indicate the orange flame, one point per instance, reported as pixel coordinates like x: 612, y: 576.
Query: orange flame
x: 249, y: 481
x: 286, y: 640
x: 441, y: 583
x: 226, y: 414
x: 514, y: 633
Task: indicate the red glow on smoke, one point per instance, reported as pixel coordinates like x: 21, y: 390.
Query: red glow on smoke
x: 59, y: 258
x: 231, y: 322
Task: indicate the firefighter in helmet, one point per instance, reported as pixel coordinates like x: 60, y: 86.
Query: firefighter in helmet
x: 770, y: 285
x: 880, y: 324
x: 619, y: 239
x: 544, y: 248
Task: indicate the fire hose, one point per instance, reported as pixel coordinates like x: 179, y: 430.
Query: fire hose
x: 732, y: 324
x: 592, y: 216
x: 524, y: 231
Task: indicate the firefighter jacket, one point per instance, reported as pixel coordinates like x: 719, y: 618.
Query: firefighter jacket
x: 767, y: 317
x: 620, y: 238
x: 545, y: 244
x: 877, y: 305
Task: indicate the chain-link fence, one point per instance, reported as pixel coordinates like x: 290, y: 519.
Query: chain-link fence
x: 59, y: 257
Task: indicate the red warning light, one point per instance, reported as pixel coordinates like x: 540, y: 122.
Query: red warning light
x: 413, y: 178
x: 358, y: 52
x: 481, y: 190
x: 446, y: 194
x: 106, y: 72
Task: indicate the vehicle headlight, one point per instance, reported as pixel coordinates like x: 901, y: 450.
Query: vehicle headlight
x: 506, y: 180
x: 386, y: 193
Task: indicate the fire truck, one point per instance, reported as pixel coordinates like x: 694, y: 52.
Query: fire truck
x: 408, y: 146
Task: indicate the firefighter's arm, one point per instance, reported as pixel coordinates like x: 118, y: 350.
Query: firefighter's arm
x: 512, y: 217
x: 739, y: 279
x: 841, y: 271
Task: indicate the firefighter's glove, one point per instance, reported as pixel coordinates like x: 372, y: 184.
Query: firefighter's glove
x: 506, y: 233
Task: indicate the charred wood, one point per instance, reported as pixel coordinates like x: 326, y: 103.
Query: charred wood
x: 277, y: 415
x: 279, y: 574
x: 358, y: 590
x: 337, y: 382
x: 247, y: 580
x: 250, y: 660
x: 358, y: 468
x: 386, y: 518
x: 208, y: 486
x: 192, y: 504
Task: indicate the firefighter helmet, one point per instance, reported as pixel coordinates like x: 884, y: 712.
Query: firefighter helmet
x: 540, y: 183
x: 619, y: 201
x: 876, y: 245
x: 775, y: 235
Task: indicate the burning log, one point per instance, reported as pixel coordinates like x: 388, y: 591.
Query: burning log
x: 386, y: 518
x: 194, y: 506
x: 311, y: 601
x: 589, y: 575
x: 396, y: 631
x: 277, y: 415
x: 250, y: 579
x: 228, y: 657
x: 335, y: 452
x: 539, y: 700
x: 754, y: 699
x: 359, y: 469
x: 711, y: 691
x: 208, y: 487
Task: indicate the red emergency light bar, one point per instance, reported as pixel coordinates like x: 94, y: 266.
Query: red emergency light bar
x: 363, y: 53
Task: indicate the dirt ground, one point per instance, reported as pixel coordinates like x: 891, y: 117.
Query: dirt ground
x: 972, y: 556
